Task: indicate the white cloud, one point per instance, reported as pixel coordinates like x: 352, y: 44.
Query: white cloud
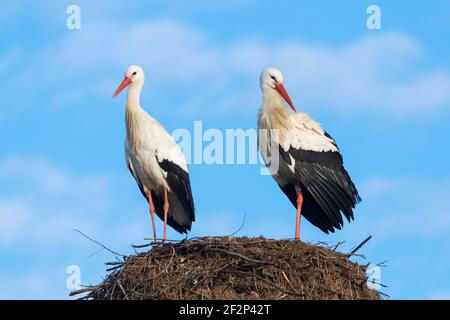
x: 31, y: 284
x: 378, y: 186
x: 14, y: 217
x: 34, y: 283
x: 403, y: 206
x: 372, y: 74
x: 423, y: 95
x: 167, y: 48
x: 41, y: 173
x: 44, y: 202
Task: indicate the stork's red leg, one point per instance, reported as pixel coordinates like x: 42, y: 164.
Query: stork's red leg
x: 166, y: 210
x: 152, y: 211
x: 299, y: 213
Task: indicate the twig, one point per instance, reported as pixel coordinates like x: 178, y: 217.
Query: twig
x: 123, y: 290
x: 153, y: 243
x: 140, y: 246
x: 113, y: 268
x: 337, y: 245
x: 101, y: 245
x: 93, y: 254
x: 382, y: 264
x: 240, y: 228
x: 241, y: 256
x: 267, y: 282
x: 359, y: 246
x: 83, y: 290
x: 114, y: 263
x: 160, y: 241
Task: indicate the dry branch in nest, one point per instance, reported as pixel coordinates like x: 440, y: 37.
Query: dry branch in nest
x: 234, y: 268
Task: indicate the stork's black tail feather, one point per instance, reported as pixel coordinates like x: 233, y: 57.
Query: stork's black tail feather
x: 181, y: 203
x: 327, y: 189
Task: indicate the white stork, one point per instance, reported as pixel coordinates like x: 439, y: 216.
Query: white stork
x: 310, y: 168
x: 156, y: 161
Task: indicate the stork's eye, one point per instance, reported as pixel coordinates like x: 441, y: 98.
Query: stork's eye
x: 274, y: 79
x: 134, y: 73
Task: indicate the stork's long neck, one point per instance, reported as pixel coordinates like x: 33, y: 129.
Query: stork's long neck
x: 134, y: 115
x: 134, y: 96
x: 272, y: 100
x: 273, y: 113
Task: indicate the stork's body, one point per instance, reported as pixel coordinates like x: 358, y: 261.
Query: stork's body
x: 156, y: 161
x: 310, y: 167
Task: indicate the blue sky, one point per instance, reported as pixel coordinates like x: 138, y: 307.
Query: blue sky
x: 383, y: 94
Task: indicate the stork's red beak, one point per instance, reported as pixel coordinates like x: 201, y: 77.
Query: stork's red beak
x: 282, y: 91
x: 125, y: 82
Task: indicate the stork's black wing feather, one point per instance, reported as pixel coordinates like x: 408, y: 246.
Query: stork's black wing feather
x: 181, y: 204
x: 181, y: 210
x: 328, y: 191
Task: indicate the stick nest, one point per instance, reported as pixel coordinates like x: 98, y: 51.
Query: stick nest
x: 234, y: 268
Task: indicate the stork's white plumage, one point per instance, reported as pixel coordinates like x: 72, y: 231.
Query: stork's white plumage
x: 310, y: 167
x: 156, y: 161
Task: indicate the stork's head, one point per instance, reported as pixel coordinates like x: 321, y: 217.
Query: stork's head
x: 272, y: 79
x: 134, y: 76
